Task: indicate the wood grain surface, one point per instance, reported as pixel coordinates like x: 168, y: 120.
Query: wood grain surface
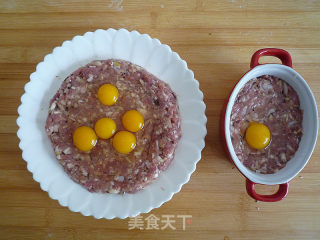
x: 217, y: 39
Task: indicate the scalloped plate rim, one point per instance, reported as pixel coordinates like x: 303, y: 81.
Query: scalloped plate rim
x: 83, y: 210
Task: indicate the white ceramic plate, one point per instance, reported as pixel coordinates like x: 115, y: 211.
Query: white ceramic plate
x: 137, y: 48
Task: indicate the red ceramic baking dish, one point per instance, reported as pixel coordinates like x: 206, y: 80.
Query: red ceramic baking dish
x: 309, y: 124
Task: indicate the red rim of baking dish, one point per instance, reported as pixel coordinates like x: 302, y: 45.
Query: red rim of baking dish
x: 282, y: 192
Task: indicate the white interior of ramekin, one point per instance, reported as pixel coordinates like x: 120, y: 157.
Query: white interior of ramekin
x: 309, y: 124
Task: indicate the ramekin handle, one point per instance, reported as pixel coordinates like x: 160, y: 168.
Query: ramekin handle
x: 279, y: 195
x: 283, y: 55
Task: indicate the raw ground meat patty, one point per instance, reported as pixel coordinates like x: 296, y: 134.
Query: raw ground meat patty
x: 273, y: 102
x: 103, y: 169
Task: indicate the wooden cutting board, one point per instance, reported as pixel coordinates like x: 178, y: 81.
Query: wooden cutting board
x: 217, y: 39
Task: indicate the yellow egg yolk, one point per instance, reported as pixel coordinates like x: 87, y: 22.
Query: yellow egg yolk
x: 84, y: 138
x: 124, y: 142
x: 105, y: 128
x: 133, y: 121
x: 108, y: 94
x: 258, y: 135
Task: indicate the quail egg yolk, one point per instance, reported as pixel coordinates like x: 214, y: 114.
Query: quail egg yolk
x: 124, y: 142
x: 84, y: 138
x: 105, y: 128
x: 108, y: 94
x: 133, y: 121
x: 258, y: 135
